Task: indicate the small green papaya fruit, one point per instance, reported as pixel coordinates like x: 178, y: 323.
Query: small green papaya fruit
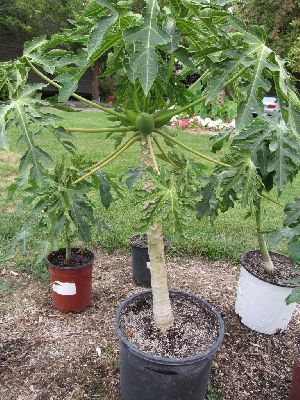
x: 145, y: 123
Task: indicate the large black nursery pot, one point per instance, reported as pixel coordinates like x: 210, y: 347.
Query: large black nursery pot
x: 148, y: 377
x: 295, y: 389
x: 140, y: 260
x: 71, y: 286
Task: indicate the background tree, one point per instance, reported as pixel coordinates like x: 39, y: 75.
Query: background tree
x: 37, y: 17
x: 281, y: 19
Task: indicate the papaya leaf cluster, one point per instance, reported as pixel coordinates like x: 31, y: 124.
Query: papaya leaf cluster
x: 152, y: 47
x: 59, y: 209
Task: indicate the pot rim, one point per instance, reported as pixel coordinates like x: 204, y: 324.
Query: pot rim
x: 253, y: 273
x: 73, y: 267
x: 165, y: 360
x: 167, y: 242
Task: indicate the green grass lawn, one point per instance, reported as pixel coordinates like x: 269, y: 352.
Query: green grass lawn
x: 230, y: 235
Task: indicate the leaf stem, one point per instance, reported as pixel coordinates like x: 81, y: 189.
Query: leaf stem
x: 191, y: 150
x: 203, y: 98
x: 112, y: 154
x: 155, y: 165
x: 163, y: 152
x: 76, y: 96
x: 102, y: 130
x: 107, y: 161
x: 264, y: 196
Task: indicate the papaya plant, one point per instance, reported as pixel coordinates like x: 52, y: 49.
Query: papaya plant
x: 59, y: 209
x: 145, y: 42
x: 263, y: 155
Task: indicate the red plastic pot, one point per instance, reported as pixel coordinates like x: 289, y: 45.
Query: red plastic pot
x: 71, y: 287
x: 295, y: 390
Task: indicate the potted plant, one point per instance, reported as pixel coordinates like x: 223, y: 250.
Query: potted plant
x: 146, y: 40
x: 63, y: 212
x: 264, y: 155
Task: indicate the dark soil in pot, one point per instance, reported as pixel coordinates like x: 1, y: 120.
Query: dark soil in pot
x: 194, y: 330
x: 284, y: 268
x: 173, y: 366
x: 79, y: 258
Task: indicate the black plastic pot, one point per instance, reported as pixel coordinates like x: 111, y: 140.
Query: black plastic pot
x: 147, y: 377
x: 141, y: 262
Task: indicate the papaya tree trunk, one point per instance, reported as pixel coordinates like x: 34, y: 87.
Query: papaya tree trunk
x: 162, y: 310
x: 268, y: 263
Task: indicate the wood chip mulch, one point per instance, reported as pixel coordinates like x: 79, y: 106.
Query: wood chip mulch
x: 47, y: 355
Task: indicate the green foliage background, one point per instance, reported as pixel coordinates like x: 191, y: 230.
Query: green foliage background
x: 281, y: 19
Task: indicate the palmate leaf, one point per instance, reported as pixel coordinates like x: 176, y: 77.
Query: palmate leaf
x: 260, y: 63
x: 272, y: 146
x: 23, y: 111
x: 226, y: 185
x: 144, y: 60
x: 33, y: 52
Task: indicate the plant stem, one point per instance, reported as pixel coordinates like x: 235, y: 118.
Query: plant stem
x: 268, y: 264
x: 102, y: 130
x: 68, y: 244
x: 107, y: 161
x: 264, y: 196
x: 155, y: 165
x: 191, y: 150
x: 163, y: 152
x: 76, y: 96
x: 112, y: 154
x: 162, y: 311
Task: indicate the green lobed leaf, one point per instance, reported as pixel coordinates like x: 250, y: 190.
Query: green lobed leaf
x: 144, y: 60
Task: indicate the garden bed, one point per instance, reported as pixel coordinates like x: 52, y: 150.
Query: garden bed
x: 45, y: 354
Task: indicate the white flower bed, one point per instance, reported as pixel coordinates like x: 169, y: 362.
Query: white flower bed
x: 198, y: 122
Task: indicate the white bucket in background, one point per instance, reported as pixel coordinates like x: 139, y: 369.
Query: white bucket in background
x: 261, y: 305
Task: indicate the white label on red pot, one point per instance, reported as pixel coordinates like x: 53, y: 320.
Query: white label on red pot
x: 148, y: 265
x: 64, y: 288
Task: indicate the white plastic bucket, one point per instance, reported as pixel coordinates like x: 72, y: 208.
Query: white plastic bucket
x: 261, y: 305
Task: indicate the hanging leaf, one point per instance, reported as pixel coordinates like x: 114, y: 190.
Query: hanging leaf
x: 282, y: 149
x: 132, y: 176
x: 105, y: 189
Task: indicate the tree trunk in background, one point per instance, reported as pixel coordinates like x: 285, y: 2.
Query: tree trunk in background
x: 95, y: 81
